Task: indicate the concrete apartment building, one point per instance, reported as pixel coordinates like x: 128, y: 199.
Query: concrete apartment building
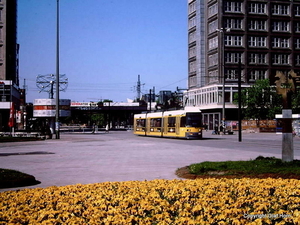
x: 10, y: 92
x: 263, y: 35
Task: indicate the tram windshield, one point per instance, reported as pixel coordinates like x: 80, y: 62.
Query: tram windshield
x: 193, y: 120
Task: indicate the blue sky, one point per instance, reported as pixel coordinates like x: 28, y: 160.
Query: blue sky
x: 104, y: 46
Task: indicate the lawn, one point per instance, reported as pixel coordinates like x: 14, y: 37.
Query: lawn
x: 13, y: 178
x: 19, y: 139
x: 261, y: 167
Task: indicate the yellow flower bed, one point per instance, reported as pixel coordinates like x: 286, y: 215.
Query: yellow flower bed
x: 202, y: 201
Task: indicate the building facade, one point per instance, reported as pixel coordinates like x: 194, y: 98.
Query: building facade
x: 10, y: 92
x: 258, y: 36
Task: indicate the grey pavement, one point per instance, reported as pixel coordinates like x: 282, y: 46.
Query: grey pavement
x: 121, y: 156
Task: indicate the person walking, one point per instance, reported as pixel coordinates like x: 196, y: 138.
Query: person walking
x: 222, y: 129
x: 93, y: 130
x: 216, y: 129
x: 106, y: 128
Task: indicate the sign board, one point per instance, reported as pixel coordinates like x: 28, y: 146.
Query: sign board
x: 47, y: 108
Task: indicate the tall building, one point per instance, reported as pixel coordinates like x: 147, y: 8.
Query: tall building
x: 9, y: 78
x: 8, y: 41
x: 262, y: 35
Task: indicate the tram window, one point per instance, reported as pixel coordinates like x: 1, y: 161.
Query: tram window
x: 155, y: 122
x: 193, y: 120
x: 171, y: 121
x: 140, y: 123
x: 183, y: 121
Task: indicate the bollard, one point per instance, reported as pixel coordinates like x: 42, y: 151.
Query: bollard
x: 287, y: 136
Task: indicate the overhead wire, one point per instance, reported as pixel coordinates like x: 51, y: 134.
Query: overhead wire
x: 122, y: 87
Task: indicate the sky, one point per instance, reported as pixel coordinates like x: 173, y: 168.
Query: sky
x: 104, y: 46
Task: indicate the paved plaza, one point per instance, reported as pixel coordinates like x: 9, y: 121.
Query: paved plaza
x: 121, y: 156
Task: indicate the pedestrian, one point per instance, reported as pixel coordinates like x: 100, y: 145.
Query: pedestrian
x: 222, y: 129
x: 93, y: 130
x: 216, y: 129
x: 106, y: 128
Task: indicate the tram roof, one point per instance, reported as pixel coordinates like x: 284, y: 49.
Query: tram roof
x: 168, y: 113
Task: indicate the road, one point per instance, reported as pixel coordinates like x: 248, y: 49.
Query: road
x: 121, y: 156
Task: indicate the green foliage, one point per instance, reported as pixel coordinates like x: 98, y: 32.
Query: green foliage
x: 98, y: 119
x: 173, y: 102
x: 258, y: 166
x: 296, y: 102
x: 260, y: 101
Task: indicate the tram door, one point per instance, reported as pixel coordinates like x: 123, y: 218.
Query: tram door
x: 165, y: 122
x: 177, y: 126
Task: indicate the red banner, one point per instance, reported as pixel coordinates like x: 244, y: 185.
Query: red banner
x: 11, y: 121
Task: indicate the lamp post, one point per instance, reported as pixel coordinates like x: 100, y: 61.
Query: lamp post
x: 240, y: 100
x: 222, y: 70
x: 57, y: 73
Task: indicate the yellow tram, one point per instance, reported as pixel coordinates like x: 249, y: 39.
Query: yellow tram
x: 175, y: 124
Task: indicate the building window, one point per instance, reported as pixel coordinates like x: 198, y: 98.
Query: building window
x: 297, y: 10
x: 192, y: 67
x: 192, y: 22
x: 297, y: 43
x: 279, y: 9
x: 192, y: 7
x: 233, y: 7
x: 193, y: 81
x: 297, y: 60
x: 192, y: 52
x: 233, y: 40
x: 192, y: 36
x: 257, y: 25
x: 257, y: 58
x: 258, y: 8
x: 231, y: 74
x: 257, y: 75
x: 213, y: 76
x: 280, y: 59
x: 234, y: 24
x: 257, y: 42
x: 212, y: 10
x: 213, y: 60
x: 212, y: 27
x: 233, y: 57
x: 282, y: 26
x: 297, y: 27
x: 280, y: 42
x: 213, y: 43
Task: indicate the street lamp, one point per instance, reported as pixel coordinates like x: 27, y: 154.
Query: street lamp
x: 240, y: 100
x: 222, y: 70
x: 57, y: 73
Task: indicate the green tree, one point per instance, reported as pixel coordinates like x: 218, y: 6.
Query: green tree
x: 98, y: 119
x: 260, y: 101
x: 296, y: 102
